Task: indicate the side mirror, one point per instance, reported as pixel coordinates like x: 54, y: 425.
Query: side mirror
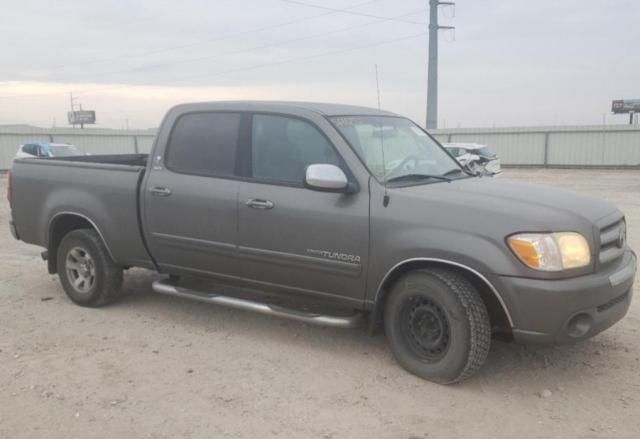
x: 326, y: 178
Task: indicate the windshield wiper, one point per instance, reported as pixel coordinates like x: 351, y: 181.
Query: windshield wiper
x: 418, y: 177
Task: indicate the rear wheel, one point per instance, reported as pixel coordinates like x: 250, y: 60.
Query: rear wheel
x: 437, y: 325
x: 87, y: 273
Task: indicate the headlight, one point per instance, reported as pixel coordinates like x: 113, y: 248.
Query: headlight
x: 551, y: 251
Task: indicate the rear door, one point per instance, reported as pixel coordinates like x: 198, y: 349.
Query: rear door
x: 292, y: 238
x: 191, y: 194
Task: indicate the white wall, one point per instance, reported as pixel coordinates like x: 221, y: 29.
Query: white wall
x: 614, y: 145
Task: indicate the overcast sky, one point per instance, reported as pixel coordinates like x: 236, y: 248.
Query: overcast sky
x: 509, y: 62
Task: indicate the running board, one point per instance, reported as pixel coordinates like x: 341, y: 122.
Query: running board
x: 351, y: 321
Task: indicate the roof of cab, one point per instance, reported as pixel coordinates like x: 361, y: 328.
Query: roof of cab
x: 326, y: 109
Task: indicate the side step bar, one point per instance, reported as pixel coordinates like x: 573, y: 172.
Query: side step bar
x: 351, y: 321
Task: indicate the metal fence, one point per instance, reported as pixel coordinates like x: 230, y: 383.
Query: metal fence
x: 570, y: 146
x: 561, y: 146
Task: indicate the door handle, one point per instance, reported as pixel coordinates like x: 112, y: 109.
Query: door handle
x: 160, y: 191
x: 257, y: 203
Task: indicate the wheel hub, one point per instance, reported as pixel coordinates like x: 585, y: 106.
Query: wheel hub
x: 427, y: 328
x: 80, y: 269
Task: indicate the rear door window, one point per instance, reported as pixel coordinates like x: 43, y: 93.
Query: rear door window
x: 204, y: 144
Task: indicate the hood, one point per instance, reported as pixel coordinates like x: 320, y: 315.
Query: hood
x: 522, y: 206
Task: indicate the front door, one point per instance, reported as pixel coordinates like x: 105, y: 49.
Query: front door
x: 190, y: 202
x: 293, y: 238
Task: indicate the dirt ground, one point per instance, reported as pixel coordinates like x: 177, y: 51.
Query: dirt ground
x: 159, y: 367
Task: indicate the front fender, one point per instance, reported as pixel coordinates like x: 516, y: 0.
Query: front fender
x: 474, y: 252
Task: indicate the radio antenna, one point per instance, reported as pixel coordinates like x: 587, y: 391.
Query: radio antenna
x: 385, y: 199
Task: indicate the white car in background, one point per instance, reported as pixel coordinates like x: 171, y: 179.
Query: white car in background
x: 475, y: 157
x: 46, y: 149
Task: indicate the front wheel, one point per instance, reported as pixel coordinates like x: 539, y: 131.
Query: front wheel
x: 87, y: 273
x: 437, y: 325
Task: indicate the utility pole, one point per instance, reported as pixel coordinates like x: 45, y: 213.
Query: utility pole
x: 72, y: 101
x: 432, y: 80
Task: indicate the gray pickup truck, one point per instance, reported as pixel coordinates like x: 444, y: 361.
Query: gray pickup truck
x: 327, y: 214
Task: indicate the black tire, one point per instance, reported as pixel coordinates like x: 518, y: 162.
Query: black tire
x: 437, y: 325
x: 87, y: 273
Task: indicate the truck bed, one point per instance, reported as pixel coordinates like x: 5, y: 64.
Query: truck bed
x: 102, y: 189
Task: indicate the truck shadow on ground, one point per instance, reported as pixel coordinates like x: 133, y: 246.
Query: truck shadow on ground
x: 508, y: 363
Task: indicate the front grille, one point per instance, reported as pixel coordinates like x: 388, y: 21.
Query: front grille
x: 613, y: 302
x: 612, y: 241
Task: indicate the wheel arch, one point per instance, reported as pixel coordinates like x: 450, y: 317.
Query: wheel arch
x: 498, y: 312
x: 59, y: 226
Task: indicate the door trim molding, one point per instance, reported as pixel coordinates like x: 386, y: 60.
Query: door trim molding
x: 194, y: 244
x: 350, y: 269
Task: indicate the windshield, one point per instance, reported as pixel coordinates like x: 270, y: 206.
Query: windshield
x: 63, y: 150
x: 394, y: 147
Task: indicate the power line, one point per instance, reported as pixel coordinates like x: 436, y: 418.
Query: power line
x: 361, y: 14
x: 213, y: 40
x: 377, y: 21
x: 264, y: 46
x: 260, y: 66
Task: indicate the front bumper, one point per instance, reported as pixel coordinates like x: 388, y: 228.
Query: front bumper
x: 14, y: 231
x: 568, y: 310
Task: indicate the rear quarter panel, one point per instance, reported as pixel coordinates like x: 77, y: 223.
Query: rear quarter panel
x: 104, y: 194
